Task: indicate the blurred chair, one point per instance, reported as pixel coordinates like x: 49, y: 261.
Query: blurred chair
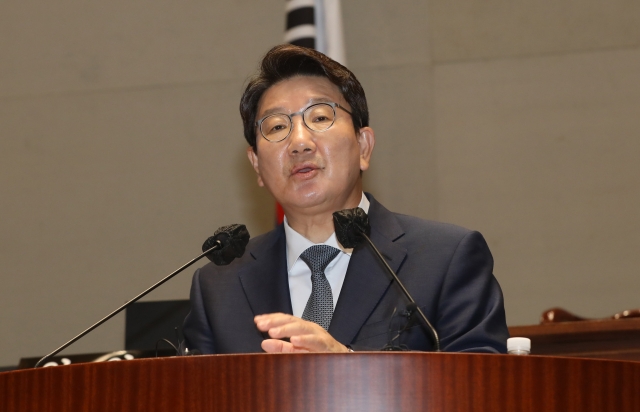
x: 148, y: 322
x: 562, y: 333
x: 555, y: 315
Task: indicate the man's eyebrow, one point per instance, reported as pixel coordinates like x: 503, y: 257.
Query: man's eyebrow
x: 273, y: 110
x: 280, y: 109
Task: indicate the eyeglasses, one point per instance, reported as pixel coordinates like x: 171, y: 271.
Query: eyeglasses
x: 318, y: 118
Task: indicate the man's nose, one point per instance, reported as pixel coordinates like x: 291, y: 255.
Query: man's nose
x: 301, y: 139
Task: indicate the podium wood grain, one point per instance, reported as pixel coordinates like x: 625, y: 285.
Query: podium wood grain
x: 329, y: 382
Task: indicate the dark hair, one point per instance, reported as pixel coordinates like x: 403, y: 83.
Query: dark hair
x: 285, y: 61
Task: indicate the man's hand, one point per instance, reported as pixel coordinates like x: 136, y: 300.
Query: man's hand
x: 304, y: 336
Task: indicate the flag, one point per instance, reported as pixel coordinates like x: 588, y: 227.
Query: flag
x: 316, y: 24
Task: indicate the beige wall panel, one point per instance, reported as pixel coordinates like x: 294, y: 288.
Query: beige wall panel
x: 74, y: 45
x: 541, y: 155
x: 387, y: 33
x: 402, y: 173
x: 388, y: 50
x: 471, y: 29
x: 105, y: 193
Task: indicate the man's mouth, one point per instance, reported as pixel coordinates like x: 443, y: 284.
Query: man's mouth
x: 302, y: 169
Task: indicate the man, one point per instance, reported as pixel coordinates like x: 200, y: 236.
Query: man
x: 296, y: 289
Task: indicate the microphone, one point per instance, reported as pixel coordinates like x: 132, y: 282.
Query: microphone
x: 231, y: 240
x: 352, y: 227
x: 226, y: 244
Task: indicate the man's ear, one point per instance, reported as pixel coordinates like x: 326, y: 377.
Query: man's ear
x: 366, y: 140
x: 253, y: 158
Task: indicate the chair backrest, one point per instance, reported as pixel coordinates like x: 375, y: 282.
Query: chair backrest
x: 148, y: 322
x: 555, y: 315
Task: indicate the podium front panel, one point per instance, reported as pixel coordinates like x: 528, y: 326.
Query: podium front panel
x: 388, y: 381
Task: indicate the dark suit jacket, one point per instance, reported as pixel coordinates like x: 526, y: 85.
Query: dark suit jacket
x: 447, y: 270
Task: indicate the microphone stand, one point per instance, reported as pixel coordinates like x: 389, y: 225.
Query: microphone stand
x: 412, y: 302
x: 217, y: 246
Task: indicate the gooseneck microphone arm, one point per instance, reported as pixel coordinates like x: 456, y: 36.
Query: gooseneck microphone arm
x: 412, y: 302
x: 226, y: 244
x: 217, y: 246
x: 352, y: 225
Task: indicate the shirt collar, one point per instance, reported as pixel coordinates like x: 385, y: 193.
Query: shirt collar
x: 296, y: 243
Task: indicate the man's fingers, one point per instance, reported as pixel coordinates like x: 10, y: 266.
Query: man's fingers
x: 273, y: 320
x: 312, y: 343
x: 281, y: 325
x: 318, y: 343
x: 304, y: 336
x: 299, y: 327
x: 279, y: 346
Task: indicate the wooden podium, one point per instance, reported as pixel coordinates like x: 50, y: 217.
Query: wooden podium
x: 373, y: 381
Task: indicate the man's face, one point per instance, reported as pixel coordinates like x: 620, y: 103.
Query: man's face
x: 311, y: 172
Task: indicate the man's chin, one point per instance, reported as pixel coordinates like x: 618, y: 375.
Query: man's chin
x: 315, y: 204
x: 303, y: 204
x: 302, y: 201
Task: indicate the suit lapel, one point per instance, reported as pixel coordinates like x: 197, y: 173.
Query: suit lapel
x: 265, y: 280
x: 366, y: 280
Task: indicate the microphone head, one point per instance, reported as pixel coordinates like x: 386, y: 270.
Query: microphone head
x: 350, y: 225
x: 233, y: 240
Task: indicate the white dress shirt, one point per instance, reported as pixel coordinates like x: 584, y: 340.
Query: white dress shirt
x: 299, y: 272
